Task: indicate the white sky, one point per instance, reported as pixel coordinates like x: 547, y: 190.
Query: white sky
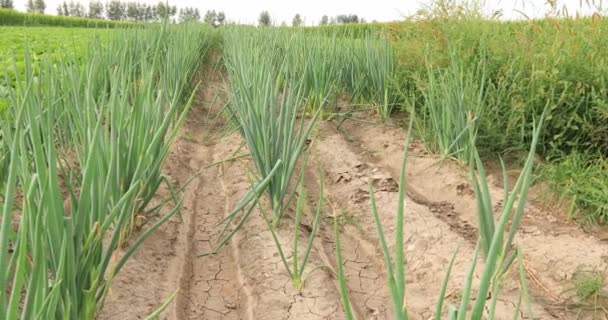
x: 247, y: 11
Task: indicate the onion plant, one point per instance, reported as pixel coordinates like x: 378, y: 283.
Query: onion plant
x: 370, y: 75
x: 498, y: 254
x: 87, y: 140
x: 380, y: 63
x: 266, y: 114
x: 330, y: 65
x: 296, y: 270
x: 448, y: 96
x: 319, y: 62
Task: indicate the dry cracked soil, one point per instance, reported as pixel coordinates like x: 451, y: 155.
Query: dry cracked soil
x: 246, y: 278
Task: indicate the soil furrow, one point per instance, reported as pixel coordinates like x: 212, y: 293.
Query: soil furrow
x: 429, y: 242
x: 263, y: 275
x: 553, y: 251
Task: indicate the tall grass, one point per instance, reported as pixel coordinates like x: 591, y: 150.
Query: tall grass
x: 579, y: 182
x: 510, y: 72
x: 87, y: 141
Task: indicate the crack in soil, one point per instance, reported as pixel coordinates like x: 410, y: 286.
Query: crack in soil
x: 246, y: 279
x: 553, y: 249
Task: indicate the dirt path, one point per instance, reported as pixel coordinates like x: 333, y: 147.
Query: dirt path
x: 553, y: 251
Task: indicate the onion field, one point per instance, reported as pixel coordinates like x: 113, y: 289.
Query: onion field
x: 374, y: 171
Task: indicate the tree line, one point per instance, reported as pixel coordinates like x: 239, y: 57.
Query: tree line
x: 124, y: 11
x: 134, y: 11
x: 265, y: 20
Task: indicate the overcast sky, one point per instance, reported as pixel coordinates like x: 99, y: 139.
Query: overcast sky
x: 247, y: 11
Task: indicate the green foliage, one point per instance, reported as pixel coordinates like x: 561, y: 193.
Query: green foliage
x: 296, y: 271
x: 352, y: 31
x: 554, y: 63
x: 80, y: 169
x: 265, y: 112
x: 46, y: 44
x: 587, y: 283
x: 580, y: 180
x: 14, y: 18
x: 506, y: 74
x: 395, y: 263
x: 332, y: 65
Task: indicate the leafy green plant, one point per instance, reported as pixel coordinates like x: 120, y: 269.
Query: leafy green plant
x: 375, y: 83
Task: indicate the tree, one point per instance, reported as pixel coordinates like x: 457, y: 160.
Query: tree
x: 210, y: 17
x: 116, y: 10
x: 264, y: 19
x: 220, y: 18
x: 60, y: 10
x: 189, y: 14
x: 347, y: 18
x: 150, y: 13
x: 76, y: 9
x: 132, y: 11
x: 172, y: 11
x: 161, y: 11
x: 297, y: 20
x: 6, y: 4
x: 66, y: 9
x: 165, y: 12
x: 95, y: 10
x: 324, y: 20
x: 29, y: 7
x: 39, y: 6
x: 141, y: 11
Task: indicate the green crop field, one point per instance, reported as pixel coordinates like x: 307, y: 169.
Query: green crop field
x: 15, y: 18
x: 332, y: 172
x: 44, y: 45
